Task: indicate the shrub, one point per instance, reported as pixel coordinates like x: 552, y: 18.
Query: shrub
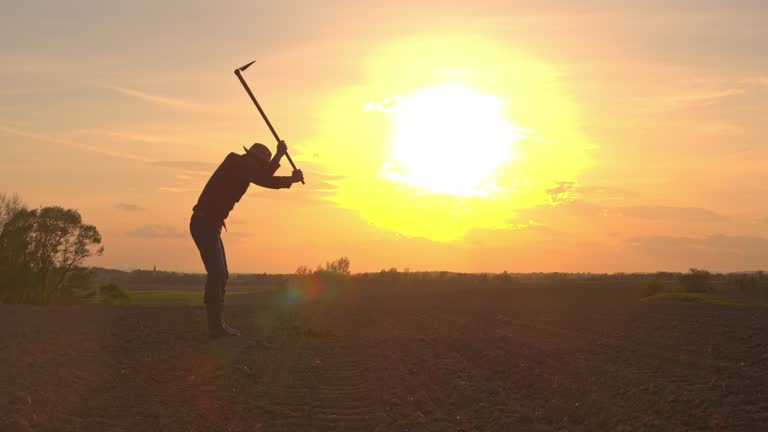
x: 696, y: 280
x: 339, y: 267
x: 112, y: 294
x: 303, y: 271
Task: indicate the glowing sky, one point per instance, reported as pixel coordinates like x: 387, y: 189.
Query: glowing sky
x: 482, y: 136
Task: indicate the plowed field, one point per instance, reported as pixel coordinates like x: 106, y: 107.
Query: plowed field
x: 473, y: 359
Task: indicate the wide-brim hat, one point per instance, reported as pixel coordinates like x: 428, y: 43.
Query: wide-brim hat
x: 259, y: 151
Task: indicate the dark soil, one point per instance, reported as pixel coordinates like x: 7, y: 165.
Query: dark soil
x: 473, y: 359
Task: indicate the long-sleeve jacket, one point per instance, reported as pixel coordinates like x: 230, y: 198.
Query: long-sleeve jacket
x: 229, y: 183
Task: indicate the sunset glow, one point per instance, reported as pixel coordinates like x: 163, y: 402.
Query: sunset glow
x: 445, y: 145
x: 400, y: 215
x: 581, y: 136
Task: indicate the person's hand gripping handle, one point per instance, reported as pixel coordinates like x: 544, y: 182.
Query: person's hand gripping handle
x: 282, y: 150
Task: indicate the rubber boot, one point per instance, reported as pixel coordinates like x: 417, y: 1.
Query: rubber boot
x: 215, y: 328
x: 232, y: 331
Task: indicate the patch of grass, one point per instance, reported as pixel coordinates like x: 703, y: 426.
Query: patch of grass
x: 170, y: 298
x: 652, y: 288
x: 702, y: 298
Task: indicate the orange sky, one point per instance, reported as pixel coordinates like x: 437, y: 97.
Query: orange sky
x: 611, y: 136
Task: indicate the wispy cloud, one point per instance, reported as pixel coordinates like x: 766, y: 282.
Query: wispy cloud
x: 33, y: 135
x: 717, y: 242
x: 174, y: 189
x: 704, y: 97
x: 129, y: 207
x: 187, y: 165
x: 604, y: 193
x: 587, y: 211
x: 560, y: 193
x: 714, y: 252
x: 156, y: 231
x: 161, y: 100
x: 190, y: 166
x: 236, y: 236
x: 760, y: 81
x: 130, y: 136
x: 48, y: 138
x: 682, y: 214
x: 19, y: 91
x: 714, y: 92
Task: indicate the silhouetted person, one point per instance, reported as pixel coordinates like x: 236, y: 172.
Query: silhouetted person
x: 223, y: 190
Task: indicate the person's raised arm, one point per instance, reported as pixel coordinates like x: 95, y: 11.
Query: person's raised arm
x: 281, y: 151
x: 279, y: 182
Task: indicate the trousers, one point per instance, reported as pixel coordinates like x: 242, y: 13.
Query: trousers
x: 208, y: 241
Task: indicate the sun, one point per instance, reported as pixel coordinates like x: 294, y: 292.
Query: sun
x: 449, y: 139
x: 447, y: 135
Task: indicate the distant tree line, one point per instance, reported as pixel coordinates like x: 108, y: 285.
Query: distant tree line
x: 43, y: 252
x: 338, y: 267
